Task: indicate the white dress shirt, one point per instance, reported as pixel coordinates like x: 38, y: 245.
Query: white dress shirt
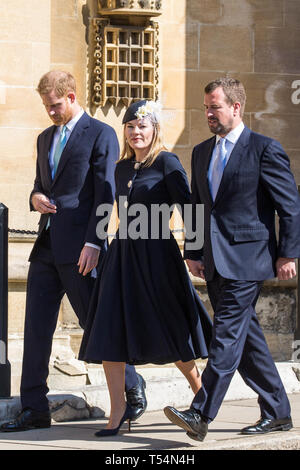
x: 231, y: 139
x: 70, y: 126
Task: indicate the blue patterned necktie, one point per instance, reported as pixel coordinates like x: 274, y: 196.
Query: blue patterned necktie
x: 218, y: 168
x: 59, y: 149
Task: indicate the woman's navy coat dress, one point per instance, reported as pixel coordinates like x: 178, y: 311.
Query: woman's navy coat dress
x: 145, y: 308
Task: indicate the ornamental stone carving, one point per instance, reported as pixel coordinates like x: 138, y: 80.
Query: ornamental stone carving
x: 121, y: 7
x: 126, y: 46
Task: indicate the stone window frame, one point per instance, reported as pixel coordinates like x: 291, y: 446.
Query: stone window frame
x: 126, y: 62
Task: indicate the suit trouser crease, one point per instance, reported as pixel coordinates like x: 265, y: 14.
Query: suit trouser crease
x: 46, y: 285
x: 238, y: 343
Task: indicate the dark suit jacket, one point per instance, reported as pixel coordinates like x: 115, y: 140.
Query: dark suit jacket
x: 84, y: 179
x: 240, y: 238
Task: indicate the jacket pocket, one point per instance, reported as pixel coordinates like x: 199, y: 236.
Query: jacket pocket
x: 250, y: 235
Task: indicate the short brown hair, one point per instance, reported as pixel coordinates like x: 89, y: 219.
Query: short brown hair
x: 233, y: 89
x: 59, y: 81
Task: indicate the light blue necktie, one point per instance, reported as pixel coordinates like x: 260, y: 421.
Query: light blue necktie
x: 56, y: 157
x: 59, y: 149
x: 218, y: 168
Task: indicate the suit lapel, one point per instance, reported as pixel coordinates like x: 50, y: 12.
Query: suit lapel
x: 45, y: 154
x: 79, y: 128
x: 206, y: 162
x: 234, y: 162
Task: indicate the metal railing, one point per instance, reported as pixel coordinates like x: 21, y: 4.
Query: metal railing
x: 5, y: 370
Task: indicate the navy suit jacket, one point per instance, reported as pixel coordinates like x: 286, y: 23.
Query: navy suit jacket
x: 239, y: 234
x: 84, y: 179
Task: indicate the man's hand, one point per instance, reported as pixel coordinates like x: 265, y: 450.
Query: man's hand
x: 42, y: 204
x: 196, y: 268
x: 88, y: 259
x: 286, y: 268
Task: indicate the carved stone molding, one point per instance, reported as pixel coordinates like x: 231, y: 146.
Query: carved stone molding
x: 126, y: 59
x: 125, y: 7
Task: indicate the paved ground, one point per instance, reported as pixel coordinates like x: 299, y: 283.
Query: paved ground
x: 154, y: 433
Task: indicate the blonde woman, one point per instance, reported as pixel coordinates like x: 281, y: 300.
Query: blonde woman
x: 145, y: 309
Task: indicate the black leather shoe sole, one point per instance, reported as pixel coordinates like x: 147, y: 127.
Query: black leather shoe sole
x: 18, y: 428
x: 280, y: 427
x: 196, y: 437
x: 176, y: 419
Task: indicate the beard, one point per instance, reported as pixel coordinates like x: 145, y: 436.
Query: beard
x: 62, y: 117
x: 58, y: 120
x: 216, y: 127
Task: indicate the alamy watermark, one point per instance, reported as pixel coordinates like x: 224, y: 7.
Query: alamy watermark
x: 295, y: 97
x: 139, y: 221
x: 296, y: 350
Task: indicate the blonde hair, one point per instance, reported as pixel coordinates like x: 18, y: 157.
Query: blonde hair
x: 58, y: 81
x: 156, y: 147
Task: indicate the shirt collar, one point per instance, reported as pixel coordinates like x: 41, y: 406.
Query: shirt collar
x: 233, y: 135
x: 71, y: 124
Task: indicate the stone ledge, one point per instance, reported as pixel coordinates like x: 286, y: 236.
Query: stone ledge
x: 165, y: 386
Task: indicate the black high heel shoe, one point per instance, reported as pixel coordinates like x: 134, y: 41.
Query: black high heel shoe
x: 128, y: 415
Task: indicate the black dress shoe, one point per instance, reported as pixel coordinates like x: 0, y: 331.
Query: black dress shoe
x: 189, y: 420
x: 28, y: 419
x: 265, y: 425
x: 136, y: 398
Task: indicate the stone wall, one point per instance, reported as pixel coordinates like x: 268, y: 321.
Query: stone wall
x: 199, y: 40
x: 256, y: 41
x: 253, y: 40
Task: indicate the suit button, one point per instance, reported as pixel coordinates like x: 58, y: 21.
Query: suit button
x: 129, y: 184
